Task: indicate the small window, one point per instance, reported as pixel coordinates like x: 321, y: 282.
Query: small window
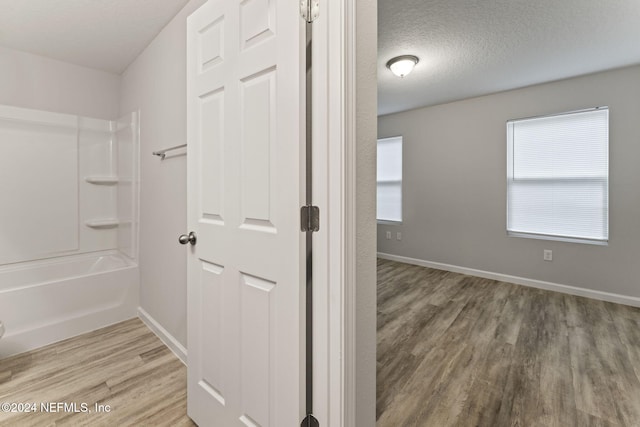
x: 389, y: 179
x: 558, y: 176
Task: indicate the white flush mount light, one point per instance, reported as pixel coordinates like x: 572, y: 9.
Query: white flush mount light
x: 402, y: 65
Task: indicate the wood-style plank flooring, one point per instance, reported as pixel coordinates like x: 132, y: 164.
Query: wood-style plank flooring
x: 456, y: 350
x: 125, y: 366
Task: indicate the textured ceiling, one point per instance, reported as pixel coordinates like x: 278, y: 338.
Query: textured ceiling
x: 103, y: 34
x: 469, y: 48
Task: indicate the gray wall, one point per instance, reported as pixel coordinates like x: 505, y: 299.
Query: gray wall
x: 454, y: 194
x: 366, y: 106
x: 155, y: 83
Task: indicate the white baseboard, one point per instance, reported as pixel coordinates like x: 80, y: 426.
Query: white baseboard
x: 168, y: 339
x: 532, y: 283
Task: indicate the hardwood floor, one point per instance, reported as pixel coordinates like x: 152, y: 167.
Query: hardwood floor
x: 453, y: 350
x: 125, y: 366
x: 456, y: 350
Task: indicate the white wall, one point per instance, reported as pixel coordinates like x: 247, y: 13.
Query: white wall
x: 454, y: 194
x: 33, y: 81
x: 155, y: 83
x: 366, y: 105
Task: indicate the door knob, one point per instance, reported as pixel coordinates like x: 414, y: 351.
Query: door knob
x: 190, y: 238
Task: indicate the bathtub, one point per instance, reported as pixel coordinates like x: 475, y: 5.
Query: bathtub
x: 45, y: 301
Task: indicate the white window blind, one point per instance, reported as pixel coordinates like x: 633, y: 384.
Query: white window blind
x: 389, y: 179
x: 558, y: 176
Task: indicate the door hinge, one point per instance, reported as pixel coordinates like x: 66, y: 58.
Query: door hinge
x: 309, y: 218
x: 309, y: 10
x: 310, y: 421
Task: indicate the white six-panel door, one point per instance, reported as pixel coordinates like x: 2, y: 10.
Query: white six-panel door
x: 245, y: 181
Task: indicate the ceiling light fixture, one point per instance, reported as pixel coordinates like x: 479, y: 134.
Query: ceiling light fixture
x: 402, y: 65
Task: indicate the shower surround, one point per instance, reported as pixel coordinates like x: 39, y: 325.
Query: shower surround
x: 68, y: 225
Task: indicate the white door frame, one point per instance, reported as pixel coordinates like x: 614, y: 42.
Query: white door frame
x: 330, y: 326
x: 335, y: 143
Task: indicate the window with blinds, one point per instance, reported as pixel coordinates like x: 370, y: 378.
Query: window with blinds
x: 558, y: 176
x: 389, y: 179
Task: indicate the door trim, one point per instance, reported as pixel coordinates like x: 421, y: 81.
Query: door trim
x: 334, y: 247
x: 350, y: 214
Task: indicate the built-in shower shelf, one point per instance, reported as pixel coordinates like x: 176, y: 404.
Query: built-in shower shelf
x: 102, y: 223
x: 102, y: 180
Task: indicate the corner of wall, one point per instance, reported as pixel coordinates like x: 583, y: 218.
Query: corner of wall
x: 366, y: 135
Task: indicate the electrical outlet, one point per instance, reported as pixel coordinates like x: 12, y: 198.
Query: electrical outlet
x: 398, y: 236
x: 388, y: 235
x: 548, y: 255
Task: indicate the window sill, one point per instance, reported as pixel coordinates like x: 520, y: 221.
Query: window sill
x: 558, y: 238
x: 388, y: 222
